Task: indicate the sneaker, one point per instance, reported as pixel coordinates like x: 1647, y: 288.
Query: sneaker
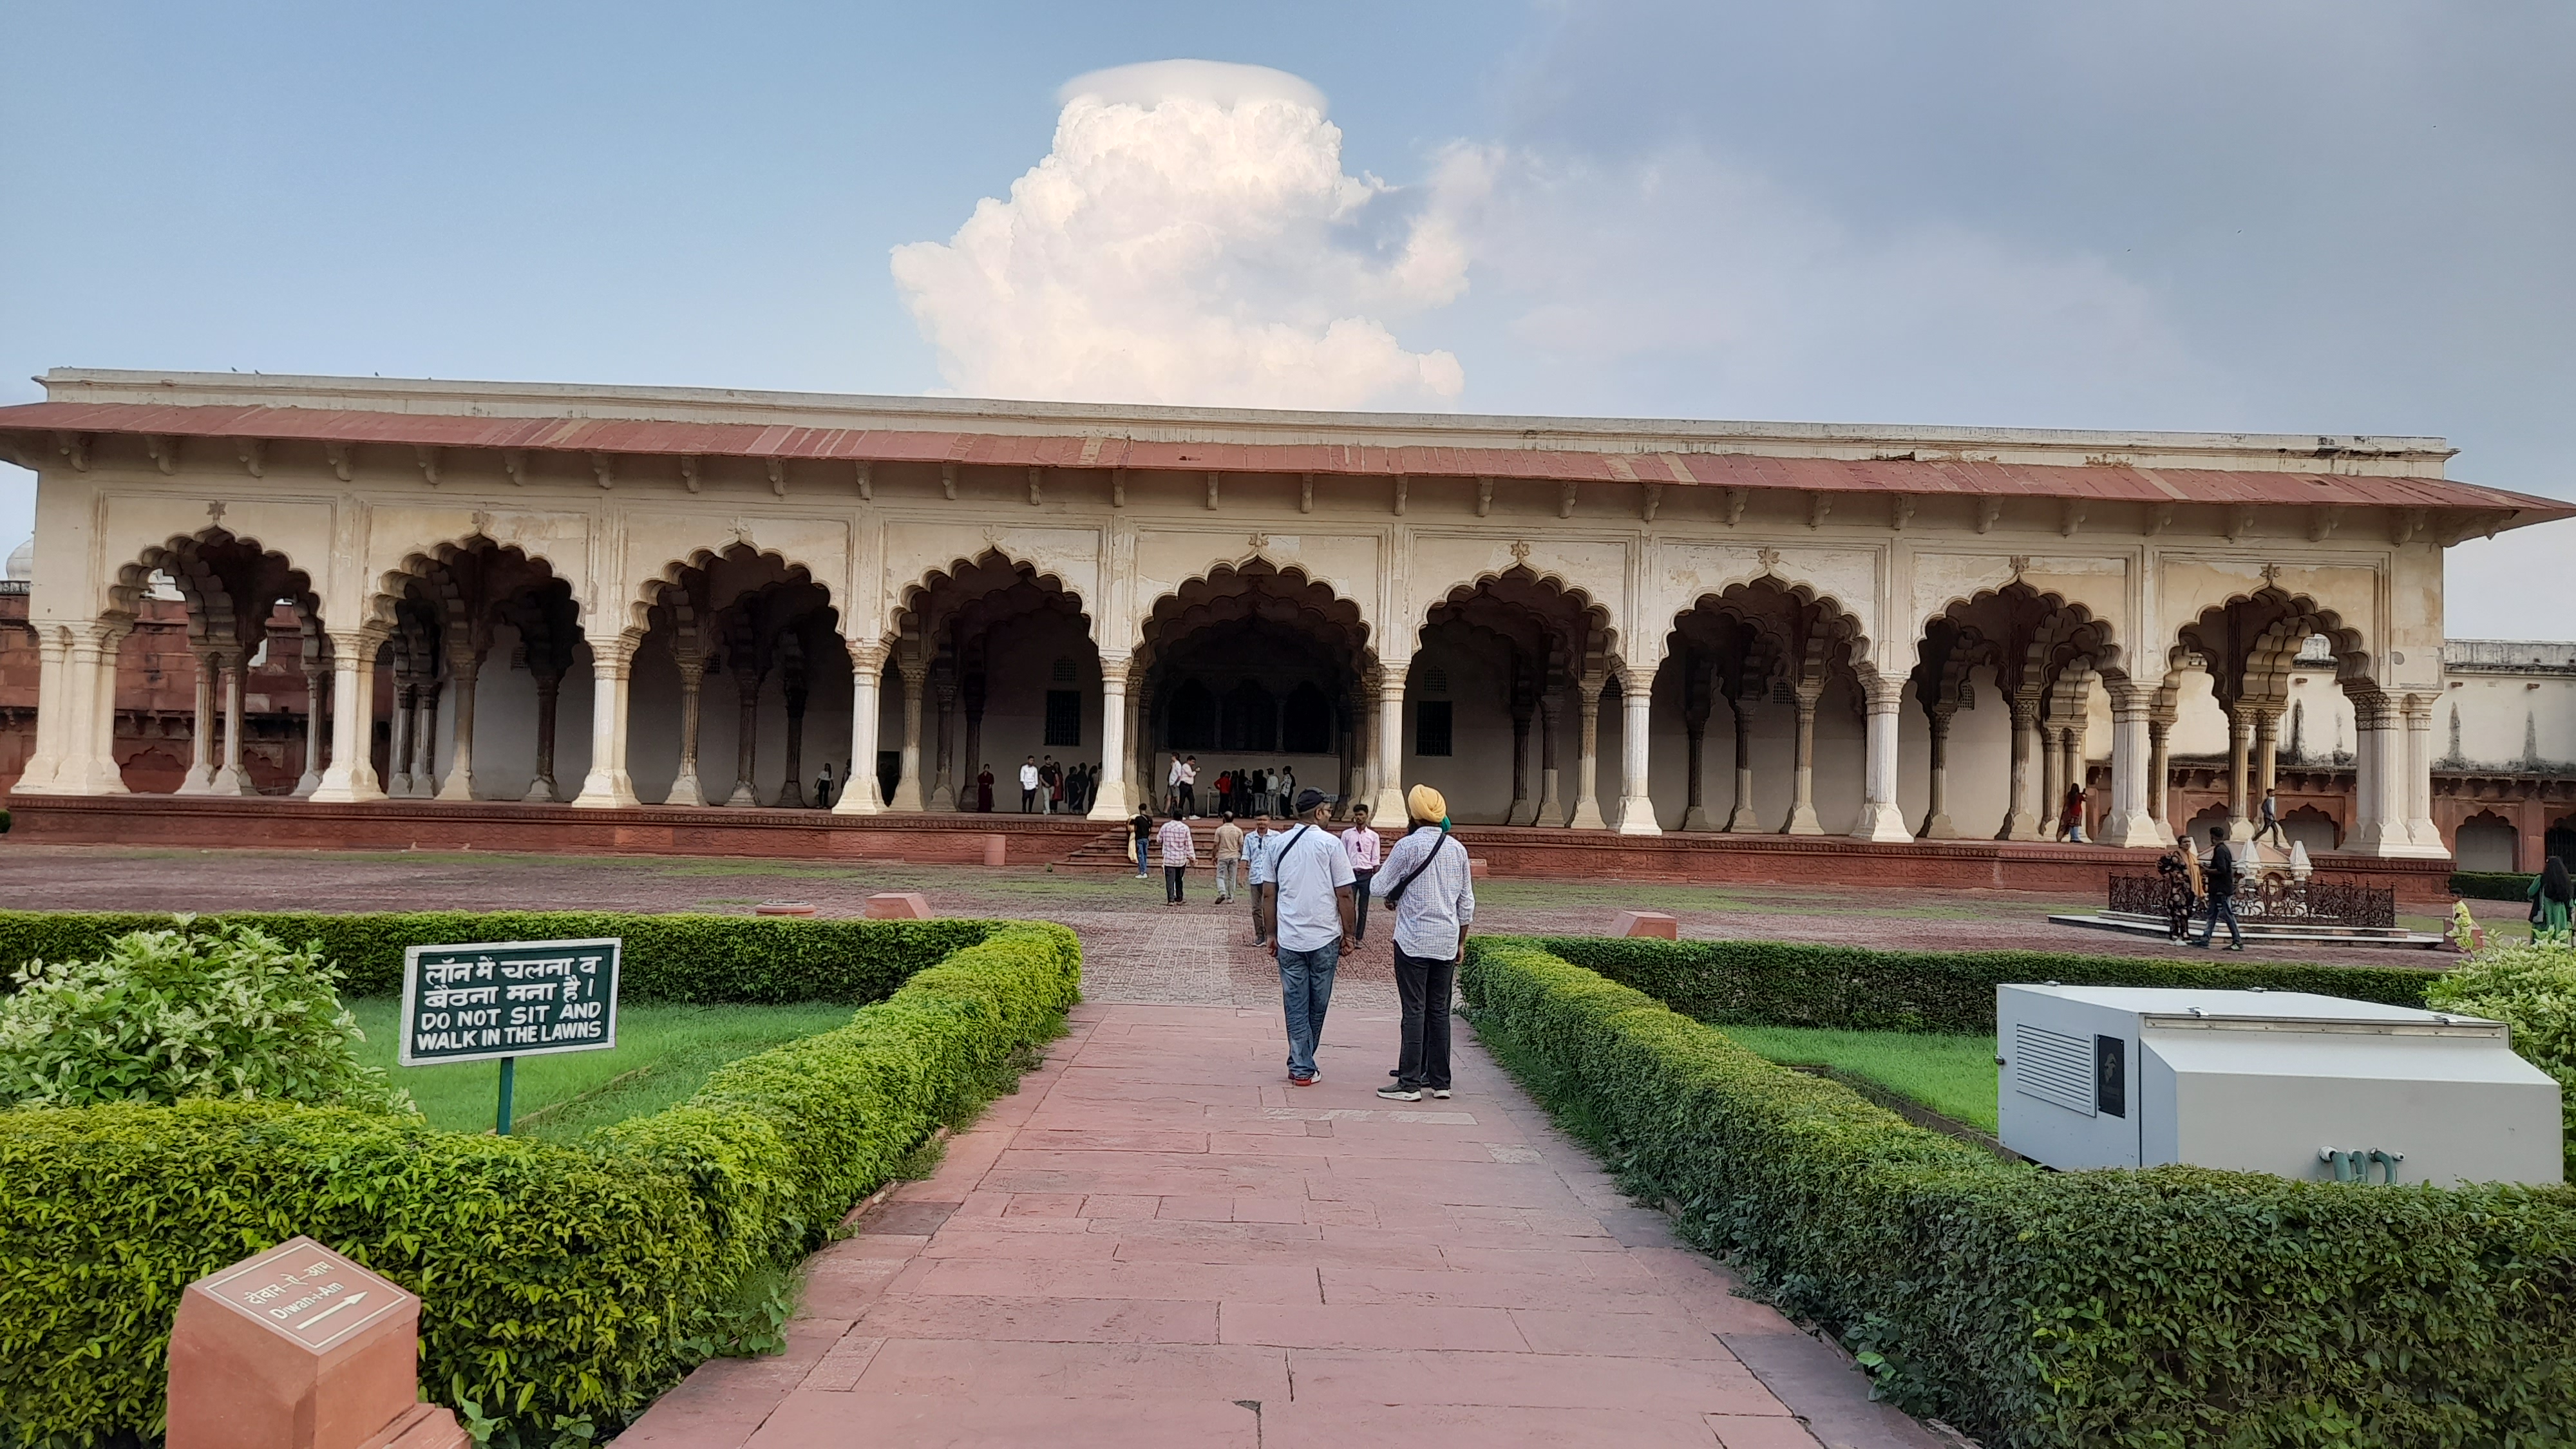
x: 1399, y: 1094
x: 1296, y: 1081
x: 1441, y: 1092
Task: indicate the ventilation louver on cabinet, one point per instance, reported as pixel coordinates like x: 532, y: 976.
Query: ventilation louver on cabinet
x: 2053, y: 1066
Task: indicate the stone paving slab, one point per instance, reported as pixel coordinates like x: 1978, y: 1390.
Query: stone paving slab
x: 1156, y: 1241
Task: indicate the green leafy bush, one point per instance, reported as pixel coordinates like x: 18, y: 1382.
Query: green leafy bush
x: 164, y: 1015
x: 2177, y: 1306
x: 1786, y: 983
x: 562, y: 1288
x: 2532, y: 989
x: 675, y: 958
x: 2491, y: 885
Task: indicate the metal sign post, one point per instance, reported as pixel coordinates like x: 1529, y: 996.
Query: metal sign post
x: 500, y: 1001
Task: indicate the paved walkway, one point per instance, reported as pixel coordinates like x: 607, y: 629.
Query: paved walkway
x: 1157, y: 1240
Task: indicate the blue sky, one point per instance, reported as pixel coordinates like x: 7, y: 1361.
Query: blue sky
x: 2299, y: 217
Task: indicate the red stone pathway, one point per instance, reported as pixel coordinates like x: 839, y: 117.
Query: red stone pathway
x: 1156, y: 1240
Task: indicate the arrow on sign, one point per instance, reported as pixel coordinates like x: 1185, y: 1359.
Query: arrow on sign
x: 352, y: 1301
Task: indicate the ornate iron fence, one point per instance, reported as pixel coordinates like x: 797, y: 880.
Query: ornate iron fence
x: 2274, y: 900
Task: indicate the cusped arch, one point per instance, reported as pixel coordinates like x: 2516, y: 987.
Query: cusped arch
x: 2259, y: 632
x: 654, y: 591
x: 1511, y: 587
x: 2075, y: 628
x: 1229, y: 591
x: 433, y: 570
x: 1804, y: 624
x: 994, y: 569
x: 196, y: 565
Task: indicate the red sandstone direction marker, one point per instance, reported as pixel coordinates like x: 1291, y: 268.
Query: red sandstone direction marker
x: 299, y: 1348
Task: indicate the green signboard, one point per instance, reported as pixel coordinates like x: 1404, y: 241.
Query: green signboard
x: 496, y: 1000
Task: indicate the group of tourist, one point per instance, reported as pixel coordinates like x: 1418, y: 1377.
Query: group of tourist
x: 1046, y: 787
x: 1310, y: 892
x: 1241, y: 792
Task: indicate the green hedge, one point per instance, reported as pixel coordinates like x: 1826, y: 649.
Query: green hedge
x: 2491, y: 885
x: 559, y: 1284
x: 1781, y: 983
x: 675, y: 958
x: 2177, y: 1306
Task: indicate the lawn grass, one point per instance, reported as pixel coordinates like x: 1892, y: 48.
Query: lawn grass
x: 1953, y: 1075
x: 663, y: 1054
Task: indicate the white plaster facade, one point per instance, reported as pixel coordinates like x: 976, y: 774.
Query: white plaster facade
x: 1594, y: 602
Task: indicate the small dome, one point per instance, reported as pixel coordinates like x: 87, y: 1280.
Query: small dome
x: 22, y: 561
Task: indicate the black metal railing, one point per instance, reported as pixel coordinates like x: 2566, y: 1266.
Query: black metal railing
x: 2273, y: 900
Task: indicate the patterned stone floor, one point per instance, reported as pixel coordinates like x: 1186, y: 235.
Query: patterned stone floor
x: 1156, y: 1241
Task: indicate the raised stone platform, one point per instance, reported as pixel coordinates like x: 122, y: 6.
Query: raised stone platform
x: 2080, y: 871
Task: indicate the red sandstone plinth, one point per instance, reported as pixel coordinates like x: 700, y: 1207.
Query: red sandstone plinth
x: 1647, y: 923
x: 996, y: 849
x: 299, y: 1348
x: 783, y: 908
x: 898, y: 906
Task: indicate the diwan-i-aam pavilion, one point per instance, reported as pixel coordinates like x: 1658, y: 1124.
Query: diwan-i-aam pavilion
x: 645, y: 599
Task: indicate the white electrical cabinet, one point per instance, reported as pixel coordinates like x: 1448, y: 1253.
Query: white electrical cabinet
x: 2269, y: 1081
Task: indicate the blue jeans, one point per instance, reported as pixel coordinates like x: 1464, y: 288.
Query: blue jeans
x: 1305, y: 990
x: 2221, y: 906
x: 1141, y: 853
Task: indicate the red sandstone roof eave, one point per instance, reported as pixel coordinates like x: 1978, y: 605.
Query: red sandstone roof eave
x: 1888, y: 476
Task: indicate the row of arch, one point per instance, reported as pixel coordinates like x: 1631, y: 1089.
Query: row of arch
x: 1248, y: 658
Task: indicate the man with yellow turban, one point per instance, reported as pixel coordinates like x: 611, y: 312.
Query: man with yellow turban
x: 1432, y: 896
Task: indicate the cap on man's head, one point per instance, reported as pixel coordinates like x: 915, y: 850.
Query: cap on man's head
x: 1309, y: 801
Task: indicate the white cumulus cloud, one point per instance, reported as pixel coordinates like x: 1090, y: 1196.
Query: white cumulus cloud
x: 1191, y: 238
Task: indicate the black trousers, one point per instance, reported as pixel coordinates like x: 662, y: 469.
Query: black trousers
x: 1422, y: 984
x: 1172, y: 883
x: 1359, y: 899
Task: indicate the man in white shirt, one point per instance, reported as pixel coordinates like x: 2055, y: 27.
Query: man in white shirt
x: 1363, y: 846
x: 1029, y: 785
x: 1256, y: 872
x: 1308, y: 912
x: 1432, y: 896
x: 1190, y: 786
x: 1172, y: 785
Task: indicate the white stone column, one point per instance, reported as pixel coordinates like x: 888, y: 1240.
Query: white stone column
x: 316, y: 693
x: 612, y: 665
x: 398, y: 758
x: 1695, y: 756
x: 943, y: 791
x: 463, y: 668
x: 200, y: 779
x: 2052, y: 780
x: 1111, y: 806
x: 1802, y: 778
x: 424, y: 739
x: 1140, y: 780
x: 2417, y: 712
x: 1551, y: 727
x: 1524, y: 809
x: 2382, y: 787
x: 89, y: 765
x: 2240, y: 761
x: 2131, y: 824
x: 867, y: 666
x: 230, y: 778
x: 2160, y: 778
x: 1587, y: 755
x: 1880, y: 817
x: 2021, y: 822
x: 351, y: 775
x: 685, y: 789
x: 2075, y: 771
x: 907, y: 788
x: 1636, y: 803
x: 54, y: 710
x: 542, y: 788
x: 746, y: 752
x: 1741, y: 820
x: 1936, y: 804
x: 1388, y: 779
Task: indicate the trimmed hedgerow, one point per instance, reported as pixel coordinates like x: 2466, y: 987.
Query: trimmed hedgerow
x: 2531, y: 988
x: 2159, y: 1308
x: 1785, y: 983
x: 562, y: 1287
x: 686, y: 959
x: 2491, y: 885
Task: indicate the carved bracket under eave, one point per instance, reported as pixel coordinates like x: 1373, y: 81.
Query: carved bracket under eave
x: 343, y: 462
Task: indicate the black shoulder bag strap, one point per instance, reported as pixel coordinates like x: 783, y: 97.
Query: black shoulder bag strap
x: 1396, y: 893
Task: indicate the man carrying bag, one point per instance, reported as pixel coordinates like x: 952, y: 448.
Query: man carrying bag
x: 1433, y: 900
x: 1308, y: 918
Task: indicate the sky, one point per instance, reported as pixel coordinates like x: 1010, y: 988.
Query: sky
x: 2296, y: 217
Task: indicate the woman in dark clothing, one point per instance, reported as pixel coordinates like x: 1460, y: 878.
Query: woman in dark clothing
x: 984, y: 790
x: 2550, y: 893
